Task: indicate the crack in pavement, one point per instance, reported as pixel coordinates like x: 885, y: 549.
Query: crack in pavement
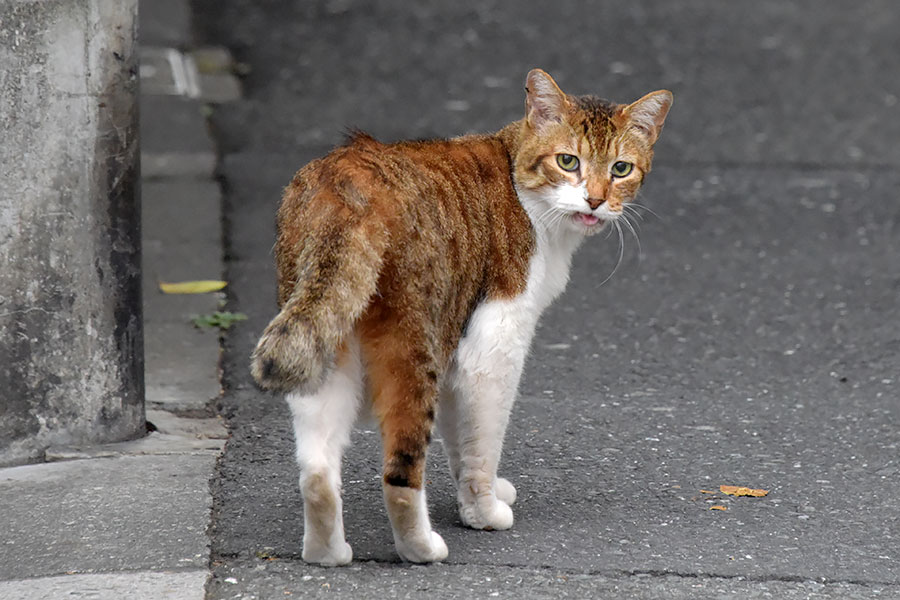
x: 607, y: 573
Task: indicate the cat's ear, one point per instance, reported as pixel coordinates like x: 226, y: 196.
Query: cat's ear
x: 648, y: 114
x: 545, y: 103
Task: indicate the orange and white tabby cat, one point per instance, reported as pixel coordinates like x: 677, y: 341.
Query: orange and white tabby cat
x: 411, y: 277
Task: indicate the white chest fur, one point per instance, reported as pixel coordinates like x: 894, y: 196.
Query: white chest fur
x: 499, y: 332
x: 548, y: 271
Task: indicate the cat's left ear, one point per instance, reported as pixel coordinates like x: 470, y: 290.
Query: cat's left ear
x: 649, y: 113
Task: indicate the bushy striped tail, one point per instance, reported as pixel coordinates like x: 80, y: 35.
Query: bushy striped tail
x: 337, y: 273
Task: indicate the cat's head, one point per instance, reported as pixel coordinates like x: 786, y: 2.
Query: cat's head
x: 581, y: 158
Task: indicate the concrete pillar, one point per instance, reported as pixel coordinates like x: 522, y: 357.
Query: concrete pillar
x: 71, y: 338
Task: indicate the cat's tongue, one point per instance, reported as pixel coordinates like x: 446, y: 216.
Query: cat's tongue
x: 586, y: 219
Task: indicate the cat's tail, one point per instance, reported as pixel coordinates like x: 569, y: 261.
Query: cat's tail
x: 337, y: 267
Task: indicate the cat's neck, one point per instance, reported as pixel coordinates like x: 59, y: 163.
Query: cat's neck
x: 547, y: 225
x: 511, y: 136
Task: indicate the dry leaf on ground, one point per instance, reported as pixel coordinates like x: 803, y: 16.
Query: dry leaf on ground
x: 718, y: 507
x: 192, y: 287
x: 733, y: 490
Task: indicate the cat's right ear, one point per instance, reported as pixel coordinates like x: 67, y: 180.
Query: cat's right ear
x: 545, y: 103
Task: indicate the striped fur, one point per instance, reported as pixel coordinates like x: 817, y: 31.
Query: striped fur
x: 394, y: 247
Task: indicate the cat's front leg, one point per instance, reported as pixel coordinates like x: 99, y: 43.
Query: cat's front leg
x: 448, y: 425
x: 488, y: 366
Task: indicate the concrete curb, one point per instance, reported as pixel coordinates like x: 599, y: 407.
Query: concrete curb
x: 71, y: 361
x: 129, y: 519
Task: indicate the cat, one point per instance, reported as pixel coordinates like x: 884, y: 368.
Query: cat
x: 411, y: 277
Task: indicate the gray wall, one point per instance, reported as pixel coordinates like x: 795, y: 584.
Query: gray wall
x: 71, y: 347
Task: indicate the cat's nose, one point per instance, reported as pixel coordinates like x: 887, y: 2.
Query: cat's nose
x: 595, y: 202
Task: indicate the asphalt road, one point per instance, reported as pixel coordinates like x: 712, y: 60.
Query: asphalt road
x: 753, y: 341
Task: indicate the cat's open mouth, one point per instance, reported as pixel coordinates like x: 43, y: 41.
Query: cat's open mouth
x: 587, y: 220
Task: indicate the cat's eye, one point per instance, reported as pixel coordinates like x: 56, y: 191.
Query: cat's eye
x: 621, y: 168
x: 567, y: 162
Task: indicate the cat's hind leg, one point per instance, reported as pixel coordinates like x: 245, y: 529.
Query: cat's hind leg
x: 322, y: 425
x: 403, y: 382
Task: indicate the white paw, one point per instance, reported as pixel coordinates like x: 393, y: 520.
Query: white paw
x: 340, y: 554
x: 423, y: 550
x: 506, y: 491
x: 486, y: 512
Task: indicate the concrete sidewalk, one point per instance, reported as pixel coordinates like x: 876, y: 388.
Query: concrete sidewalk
x: 130, y: 519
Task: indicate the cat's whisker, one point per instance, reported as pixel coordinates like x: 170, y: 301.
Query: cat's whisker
x: 556, y: 216
x: 633, y: 211
x: 635, y: 222
x: 637, y: 238
x: 559, y: 217
x: 618, y: 229
x: 609, y: 230
x: 621, y: 247
x: 648, y: 209
x: 553, y: 220
x: 542, y: 220
x: 549, y: 216
x: 544, y: 216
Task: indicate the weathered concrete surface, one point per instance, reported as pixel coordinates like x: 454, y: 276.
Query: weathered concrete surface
x: 281, y: 578
x: 167, y: 585
x: 105, y: 515
x: 71, y: 348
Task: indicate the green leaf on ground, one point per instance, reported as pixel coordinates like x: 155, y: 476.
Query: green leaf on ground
x: 222, y: 320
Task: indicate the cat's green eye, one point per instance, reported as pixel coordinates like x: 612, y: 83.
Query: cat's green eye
x: 567, y: 162
x: 622, y: 169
